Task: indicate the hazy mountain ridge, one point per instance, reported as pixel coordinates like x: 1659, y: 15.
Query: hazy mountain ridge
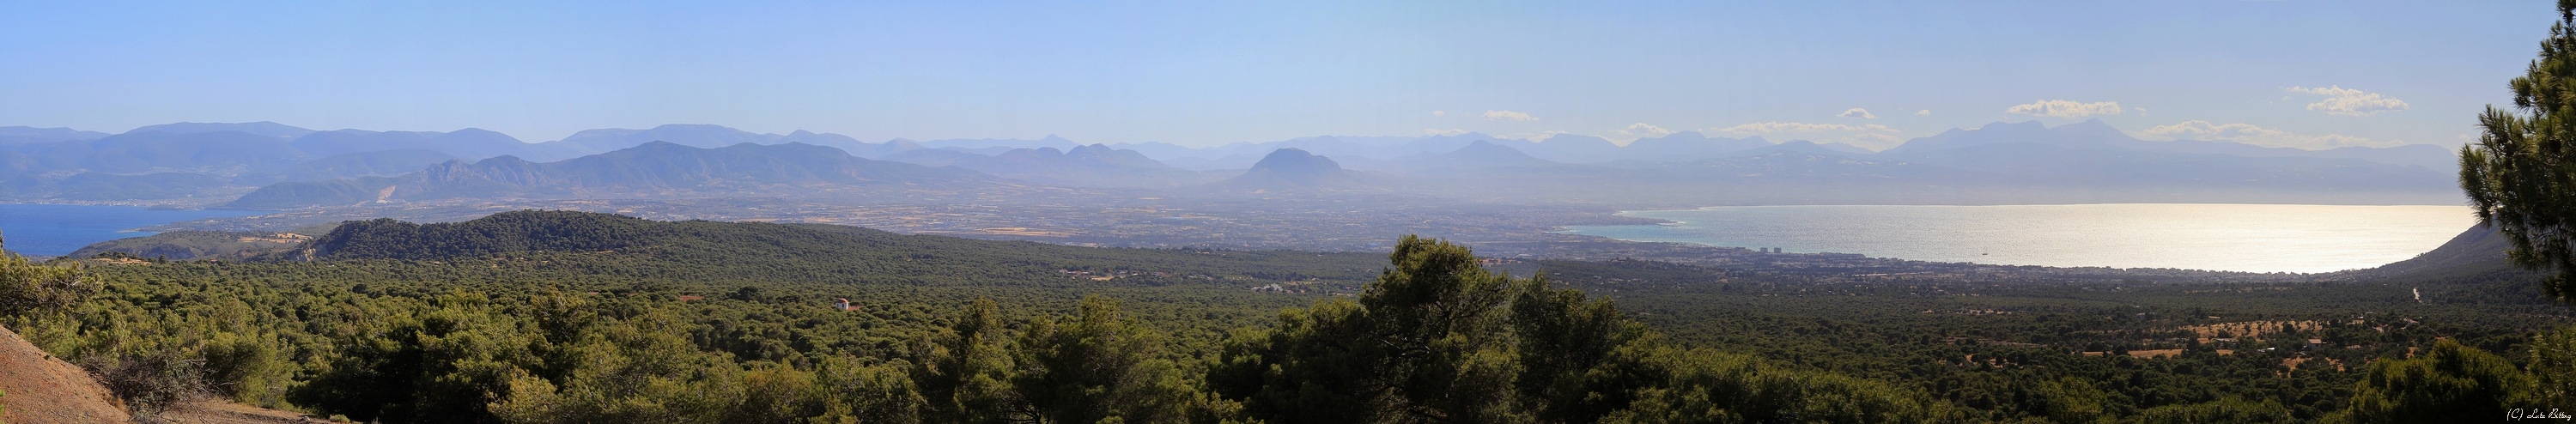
x: 1292, y: 170
x: 261, y: 128
x: 652, y: 169
x: 174, y: 161
x: 1092, y: 165
x: 21, y: 135
x: 2096, y: 135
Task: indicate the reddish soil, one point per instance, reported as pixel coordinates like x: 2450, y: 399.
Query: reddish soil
x: 42, y: 389
x: 232, y: 413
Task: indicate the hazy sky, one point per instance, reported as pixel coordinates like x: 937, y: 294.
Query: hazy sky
x: 2292, y: 73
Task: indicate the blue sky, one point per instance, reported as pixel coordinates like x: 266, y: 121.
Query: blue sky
x: 2287, y: 73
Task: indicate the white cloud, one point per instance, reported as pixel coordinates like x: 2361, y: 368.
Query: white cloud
x: 1642, y: 130
x: 1436, y: 131
x: 1776, y: 127
x: 1858, y: 113
x: 2350, y: 102
x: 1439, y: 113
x: 2065, y: 109
x: 1925, y: 112
x: 1539, y: 136
x: 1873, y: 136
x: 1505, y: 115
x: 2259, y: 136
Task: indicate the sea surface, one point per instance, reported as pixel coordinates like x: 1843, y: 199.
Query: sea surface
x: 2223, y: 237
x: 54, y: 230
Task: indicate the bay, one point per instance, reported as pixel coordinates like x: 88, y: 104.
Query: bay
x: 54, y: 230
x: 2220, y: 237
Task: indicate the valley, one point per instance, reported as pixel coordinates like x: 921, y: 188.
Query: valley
x: 796, y: 212
x: 750, y: 301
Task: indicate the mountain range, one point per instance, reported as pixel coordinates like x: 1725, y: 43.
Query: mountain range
x: 654, y: 169
x: 1292, y: 170
x: 1999, y: 162
x: 1093, y: 165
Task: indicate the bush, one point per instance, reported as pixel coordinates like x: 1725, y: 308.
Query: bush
x: 151, y: 383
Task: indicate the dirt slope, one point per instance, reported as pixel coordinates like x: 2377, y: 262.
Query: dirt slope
x: 231, y: 413
x: 44, y: 390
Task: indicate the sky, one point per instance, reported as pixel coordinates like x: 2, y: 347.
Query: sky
x: 2276, y: 73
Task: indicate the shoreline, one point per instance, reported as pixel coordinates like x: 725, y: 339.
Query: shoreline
x: 2192, y: 236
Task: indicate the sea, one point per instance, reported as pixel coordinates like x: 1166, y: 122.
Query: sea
x: 2219, y: 237
x: 54, y: 230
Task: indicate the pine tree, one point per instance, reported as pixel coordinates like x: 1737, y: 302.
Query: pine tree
x: 2521, y: 174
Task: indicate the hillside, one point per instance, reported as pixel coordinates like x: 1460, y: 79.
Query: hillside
x: 42, y: 389
x: 804, y: 252
x: 186, y: 245
x: 738, y: 305
x: 2478, y: 252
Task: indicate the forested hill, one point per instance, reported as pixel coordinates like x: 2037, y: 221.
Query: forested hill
x: 518, y: 231
x: 2471, y: 267
x: 2479, y: 251
x: 806, y: 252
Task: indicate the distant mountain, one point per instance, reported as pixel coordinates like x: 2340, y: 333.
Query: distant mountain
x: 1812, y: 166
x: 820, y: 139
x: 1093, y: 165
x: 218, y: 152
x: 23, y: 135
x: 1447, y: 143
x: 2092, y: 153
x: 1243, y: 155
x: 2096, y: 135
x: 1566, y: 148
x: 1293, y: 170
x: 851, y: 145
x: 652, y: 170
x: 1477, y: 158
x: 139, y: 166
x: 2086, y: 135
x: 2437, y: 158
x: 1999, y: 162
x: 693, y: 135
x: 1051, y: 140
x: 261, y: 128
x: 1799, y: 147
x: 183, y: 160
x: 470, y: 143
x: 1161, y: 151
x: 704, y: 136
x: 1487, y: 154
x: 931, y: 157
x: 363, y: 164
x: 160, y: 185
x: 873, y: 151
x: 1687, y: 146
